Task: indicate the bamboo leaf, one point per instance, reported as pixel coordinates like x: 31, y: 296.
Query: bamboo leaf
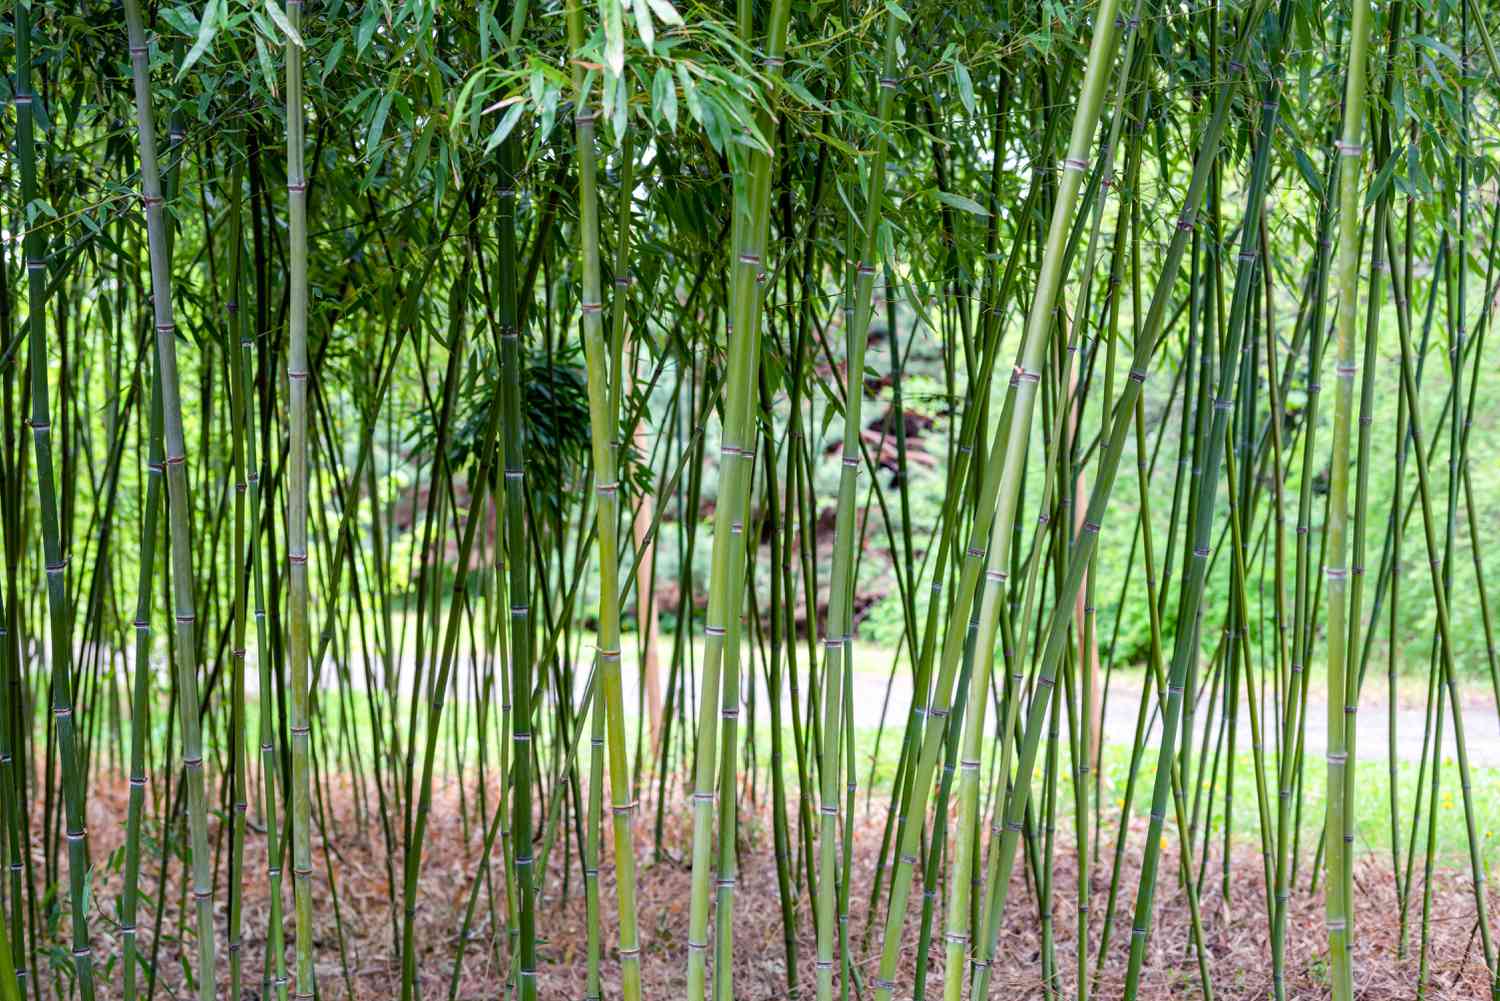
x: 614, y: 35
x: 960, y: 202
x: 664, y: 97
x: 965, y: 85
x: 279, y: 16
x: 665, y: 12
x: 643, y: 24
x: 507, y: 124
x: 207, y: 28
x: 377, y: 122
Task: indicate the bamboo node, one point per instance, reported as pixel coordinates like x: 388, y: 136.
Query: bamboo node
x: 749, y: 258
x: 624, y: 281
x: 596, y: 741
x: 519, y: 611
x: 1349, y: 149
x: 696, y: 946
x: 1092, y: 528
x: 823, y: 964
x: 1013, y: 826
x: 937, y: 587
x: 1075, y: 164
x: 729, y: 712
x: 634, y: 952
x: 55, y: 568
x: 1137, y: 376
x: 39, y: 425
x: 865, y: 268
x: 1201, y: 552
x: 889, y: 83
x: 1174, y: 690
x: 23, y: 100
x: 296, y: 187
x: 771, y: 62
x: 199, y: 894
x: 1026, y: 375
x: 1338, y: 757
x: 297, y: 559
x: 974, y: 552
x: 591, y: 308
x: 196, y: 761
x: 713, y: 630
x: 995, y: 576
x: 938, y: 713
x: 829, y: 809
x: 907, y: 858
x: 724, y: 883
x: 608, y: 489
x: 1336, y: 573
x: 969, y: 765
x: 62, y: 712
x: 981, y: 964
x: 1224, y: 403
x: 1235, y: 66
x: 1345, y: 371
x: 84, y: 953
x: 703, y: 797
x: 297, y: 375
x: 609, y: 654
x: 521, y: 737
x: 124, y: 930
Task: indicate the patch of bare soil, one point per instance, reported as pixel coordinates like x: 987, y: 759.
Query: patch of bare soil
x: 357, y: 935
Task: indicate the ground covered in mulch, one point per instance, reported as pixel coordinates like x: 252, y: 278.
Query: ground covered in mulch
x: 357, y: 937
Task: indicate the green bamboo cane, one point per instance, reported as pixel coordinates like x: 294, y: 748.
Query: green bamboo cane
x: 736, y: 452
x: 33, y: 252
x: 139, y: 700
x: 239, y: 405
x: 1351, y: 153
x: 838, y: 639
x: 603, y: 398
x: 179, y: 504
x: 298, y: 596
x: 1002, y: 472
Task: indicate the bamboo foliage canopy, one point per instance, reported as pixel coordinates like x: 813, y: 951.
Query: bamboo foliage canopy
x: 961, y: 465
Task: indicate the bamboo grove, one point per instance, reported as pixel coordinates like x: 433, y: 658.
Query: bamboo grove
x: 807, y: 498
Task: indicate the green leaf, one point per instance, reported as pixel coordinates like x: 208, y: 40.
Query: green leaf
x: 961, y: 203
x: 331, y: 60
x: 643, y: 24
x: 507, y: 124
x: 279, y: 16
x: 664, y: 97
x: 665, y: 12
x: 894, y: 9
x: 965, y: 85
x: 377, y: 122
x: 207, y: 28
x: 690, y: 93
x: 366, y: 30
x: 614, y: 36
x: 267, y: 68
x: 1382, y: 179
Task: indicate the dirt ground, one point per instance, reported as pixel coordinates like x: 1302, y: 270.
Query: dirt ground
x: 357, y: 939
